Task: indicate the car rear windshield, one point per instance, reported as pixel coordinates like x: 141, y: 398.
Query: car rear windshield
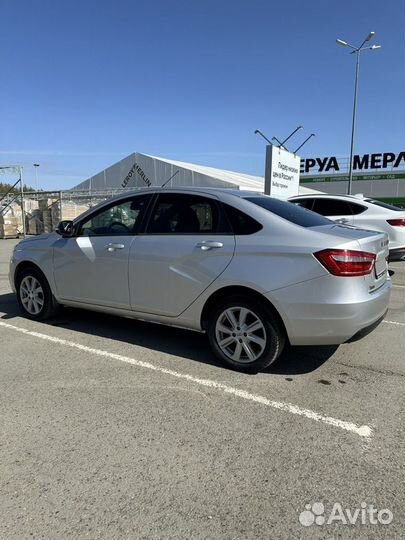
x: 385, y: 205
x: 291, y: 212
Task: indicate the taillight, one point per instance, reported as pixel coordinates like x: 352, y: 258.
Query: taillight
x: 346, y: 262
x: 397, y: 222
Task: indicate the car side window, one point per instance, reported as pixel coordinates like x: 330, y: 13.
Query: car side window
x: 357, y: 208
x: 332, y: 207
x: 305, y: 203
x: 176, y: 213
x: 241, y: 223
x: 117, y: 220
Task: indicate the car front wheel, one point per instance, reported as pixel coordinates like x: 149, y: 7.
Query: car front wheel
x: 34, y: 295
x: 243, y: 333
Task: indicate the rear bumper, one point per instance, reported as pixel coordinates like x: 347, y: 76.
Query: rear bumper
x: 397, y: 254
x: 329, y: 311
x: 366, y: 331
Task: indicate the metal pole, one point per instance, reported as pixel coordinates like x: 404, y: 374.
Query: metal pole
x: 258, y: 132
x: 279, y: 142
x: 305, y: 142
x: 268, y: 168
x: 290, y: 135
x: 22, y: 201
x: 349, y: 186
x: 60, y: 206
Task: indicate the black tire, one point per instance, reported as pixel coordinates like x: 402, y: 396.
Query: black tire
x: 272, y: 333
x: 50, y: 306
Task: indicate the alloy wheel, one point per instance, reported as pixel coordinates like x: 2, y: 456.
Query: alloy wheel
x: 32, y: 295
x: 240, y: 334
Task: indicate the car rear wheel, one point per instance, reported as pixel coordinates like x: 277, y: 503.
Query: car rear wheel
x: 34, y: 295
x: 244, y: 333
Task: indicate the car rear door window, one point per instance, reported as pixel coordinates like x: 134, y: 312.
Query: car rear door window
x: 305, y: 203
x: 176, y: 213
x: 241, y: 223
x: 332, y: 207
x: 357, y: 208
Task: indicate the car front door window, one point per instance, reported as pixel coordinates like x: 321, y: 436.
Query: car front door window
x: 118, y: 220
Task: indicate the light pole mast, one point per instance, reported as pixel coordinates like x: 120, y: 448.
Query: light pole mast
x: 36, y: 165
x: 356, y: 51
x: 349, y: 185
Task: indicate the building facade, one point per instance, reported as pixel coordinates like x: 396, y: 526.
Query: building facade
x: 381, y: 175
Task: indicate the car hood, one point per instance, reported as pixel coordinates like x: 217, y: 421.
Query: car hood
x: 32, y: 239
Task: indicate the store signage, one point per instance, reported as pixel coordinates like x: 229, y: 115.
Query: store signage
x: 136, y: 169
x: 363, y: 162
x: 282, y: 177
x: 357, y: 177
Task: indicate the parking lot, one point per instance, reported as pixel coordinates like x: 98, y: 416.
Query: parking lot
x: 113, y: 428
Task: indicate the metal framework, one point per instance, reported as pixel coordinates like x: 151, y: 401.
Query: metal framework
x: 59, y: 199
x: 9, y: 197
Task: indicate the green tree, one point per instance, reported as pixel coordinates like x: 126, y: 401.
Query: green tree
x: 5, y: 186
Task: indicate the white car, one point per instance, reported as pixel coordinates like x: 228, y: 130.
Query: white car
x: 361, y: 212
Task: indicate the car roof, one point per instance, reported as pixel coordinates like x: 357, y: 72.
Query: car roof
x: 188, y: 189
x: 330, y: 196
x: 237, y: 192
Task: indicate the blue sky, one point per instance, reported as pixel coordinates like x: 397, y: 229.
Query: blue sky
x: 87, y: 82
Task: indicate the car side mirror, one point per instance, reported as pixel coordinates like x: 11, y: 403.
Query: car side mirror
x: 65, y: 228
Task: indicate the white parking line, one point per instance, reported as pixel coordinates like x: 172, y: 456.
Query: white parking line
x: 398, y: 286
x: 362, y: 431
x: 395, y: 322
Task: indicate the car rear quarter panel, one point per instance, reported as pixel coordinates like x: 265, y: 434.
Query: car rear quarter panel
x: 329, y: 310
x: 378, y: 222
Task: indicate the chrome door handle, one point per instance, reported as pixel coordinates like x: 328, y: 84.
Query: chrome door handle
x: 114, y: 247
x: 206, y: 245
x: 341, y: 220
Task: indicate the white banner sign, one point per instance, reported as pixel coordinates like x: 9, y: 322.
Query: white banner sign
x: 282, y: 178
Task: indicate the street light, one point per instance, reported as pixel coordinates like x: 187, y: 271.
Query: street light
x: 36, y: 165
x: 356, y: 51
x: 258, y: 132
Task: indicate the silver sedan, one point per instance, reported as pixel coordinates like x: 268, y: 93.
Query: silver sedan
x: 251, y: 271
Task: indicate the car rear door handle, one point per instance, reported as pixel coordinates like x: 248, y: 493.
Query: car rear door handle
x: 206, y: 245
x: 341, y: 220
x: 114, y: 247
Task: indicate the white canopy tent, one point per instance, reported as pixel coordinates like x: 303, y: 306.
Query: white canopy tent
x: 142, y: 170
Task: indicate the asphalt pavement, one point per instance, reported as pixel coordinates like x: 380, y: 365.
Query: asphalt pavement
x: 113, y: 428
